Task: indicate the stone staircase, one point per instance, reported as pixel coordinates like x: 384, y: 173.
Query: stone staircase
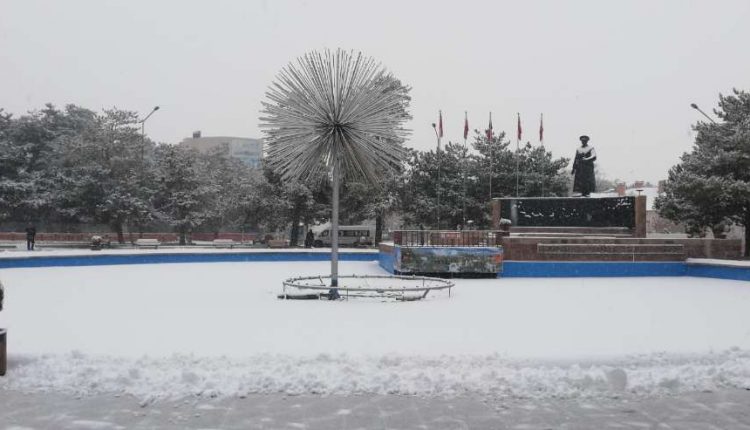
x: 610, y: 252
x: 572, y: 231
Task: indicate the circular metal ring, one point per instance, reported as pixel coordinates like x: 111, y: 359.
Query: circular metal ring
x: 399, y: 287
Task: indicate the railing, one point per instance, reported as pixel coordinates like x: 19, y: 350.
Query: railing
x: 448, y: 237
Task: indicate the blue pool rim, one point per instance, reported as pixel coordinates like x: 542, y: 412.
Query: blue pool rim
x: 162, y: 258
x: 511, y: 269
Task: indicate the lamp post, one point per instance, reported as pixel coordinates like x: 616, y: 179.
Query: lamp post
x: 143, y: 144
x: 143, y: 130
x: 695, y: 106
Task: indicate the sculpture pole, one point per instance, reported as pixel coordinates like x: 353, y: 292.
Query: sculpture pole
x: 335, y: 183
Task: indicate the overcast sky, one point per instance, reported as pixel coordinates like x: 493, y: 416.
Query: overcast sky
x: 622, y: 72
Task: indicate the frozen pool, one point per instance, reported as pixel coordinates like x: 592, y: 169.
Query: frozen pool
x: 174, y: 329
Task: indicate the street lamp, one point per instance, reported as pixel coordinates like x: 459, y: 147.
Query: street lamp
x: 143, y: 130
x: 695, y: 106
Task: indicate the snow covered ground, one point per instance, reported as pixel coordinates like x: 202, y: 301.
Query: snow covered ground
x: 217, y: 329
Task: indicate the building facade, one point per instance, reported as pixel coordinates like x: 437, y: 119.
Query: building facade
x: 247, y: 150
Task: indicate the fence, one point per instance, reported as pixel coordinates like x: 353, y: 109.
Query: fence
x: 471, y: 238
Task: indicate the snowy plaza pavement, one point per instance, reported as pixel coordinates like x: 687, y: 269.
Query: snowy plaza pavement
x: 149, y: 338
x: 725, y: 409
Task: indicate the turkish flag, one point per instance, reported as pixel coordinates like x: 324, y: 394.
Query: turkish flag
x: 440, y: 125
x: 520, y: 132
x: 541, y: 128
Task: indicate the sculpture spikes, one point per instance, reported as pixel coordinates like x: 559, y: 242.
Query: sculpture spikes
x: 337, y: 113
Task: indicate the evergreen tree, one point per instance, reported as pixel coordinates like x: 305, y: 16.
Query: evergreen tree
x: 27, y: 162
x: 361, y: 202
x: 184, y: 193
x: 710, y: 187
x: 102, y: 177
x: 291, y: 203
x: 468, y: 179
x: 235, y: 182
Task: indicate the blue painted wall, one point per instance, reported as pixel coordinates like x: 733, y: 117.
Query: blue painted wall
x: 511, y: 269
x: 721, y: 272
x: 565, y: 269
x: 387, y: 261
x: 109, y: 259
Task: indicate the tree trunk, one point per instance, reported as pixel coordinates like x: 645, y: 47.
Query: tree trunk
x: 183, y: 234
x: 294, y: 234
x: 747, y: 233
x: 119, y: 230
x: 378, y: 229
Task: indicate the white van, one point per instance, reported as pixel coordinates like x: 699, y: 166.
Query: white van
x: 349, y: 235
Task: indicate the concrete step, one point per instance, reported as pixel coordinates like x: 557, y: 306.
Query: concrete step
x: 611, y: 252
x: 578, y: 231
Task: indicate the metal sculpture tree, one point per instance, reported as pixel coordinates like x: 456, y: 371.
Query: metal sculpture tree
x: 340, y: 113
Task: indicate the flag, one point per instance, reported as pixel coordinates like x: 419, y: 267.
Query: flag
x: 440, y: 125
x: 520, y: 132
x: 466, y: 126
x: 489, y: 129
x: 541, y: 128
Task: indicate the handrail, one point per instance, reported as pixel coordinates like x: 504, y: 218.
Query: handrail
x: 462, y: 238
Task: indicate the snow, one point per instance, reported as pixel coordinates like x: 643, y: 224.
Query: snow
x: 217, y: 329
x: 651, y: 194
x: 717, y: 262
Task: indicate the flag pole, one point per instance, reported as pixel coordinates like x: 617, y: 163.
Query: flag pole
x: 489, y: 142
x: 541, y: 144
x: 518, y: 155
x: 439, y: 134
x: 463, y: 170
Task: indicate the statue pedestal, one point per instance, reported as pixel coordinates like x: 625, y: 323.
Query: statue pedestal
x: 572, y: 212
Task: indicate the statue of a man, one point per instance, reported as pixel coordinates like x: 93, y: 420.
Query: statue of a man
x: 583, y: 168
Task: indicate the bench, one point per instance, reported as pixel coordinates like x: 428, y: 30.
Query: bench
x: 147, y: 243
x: 224, y: 243
x: 278, y: 243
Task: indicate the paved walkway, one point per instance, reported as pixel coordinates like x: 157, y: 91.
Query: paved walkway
x: 728, y: 409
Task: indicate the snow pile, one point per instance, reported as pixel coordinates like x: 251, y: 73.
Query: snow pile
x: 487, y: 376
x: 217, y: 329
x: 717, y: 262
